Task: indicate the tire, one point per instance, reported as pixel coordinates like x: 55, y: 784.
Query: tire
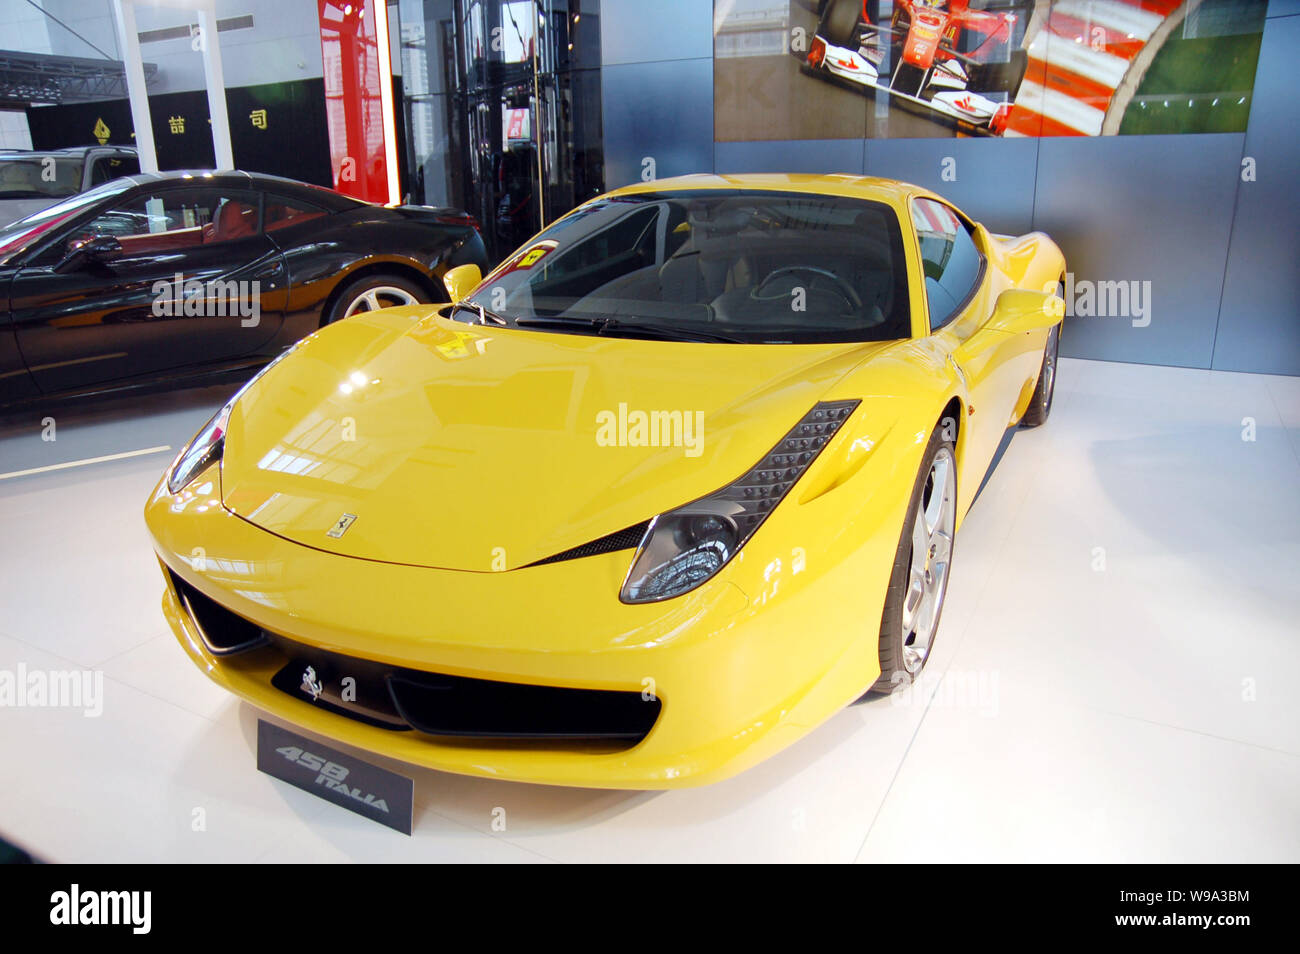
x: 1040, y: 405
x: 906, y: 634
x: 361, y: 295
x: 839, y: 23
x: 999, y: 77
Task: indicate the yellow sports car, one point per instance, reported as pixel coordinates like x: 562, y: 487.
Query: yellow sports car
x: 667, y: 489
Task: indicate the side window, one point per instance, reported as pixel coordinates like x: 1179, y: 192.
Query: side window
x: 949, y: 258
x: 621, y: 247
x: 177, y: 219
x: 679, y: 229
x: 108, y: 168
x: 282, y: 212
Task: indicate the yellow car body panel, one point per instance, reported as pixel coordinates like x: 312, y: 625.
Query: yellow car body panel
x: 468, y: 453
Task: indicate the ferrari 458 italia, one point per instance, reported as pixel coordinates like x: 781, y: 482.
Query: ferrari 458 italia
x: 660, y: 494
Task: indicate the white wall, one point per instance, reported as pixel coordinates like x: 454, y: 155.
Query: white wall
x: 14, y: 133
x: 23, y: 28
x: 283, y: 45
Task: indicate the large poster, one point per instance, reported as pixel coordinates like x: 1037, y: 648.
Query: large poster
x: 847, y: 69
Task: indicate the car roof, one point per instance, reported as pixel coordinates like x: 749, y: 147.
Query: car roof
x: 65, y: 151
x: 238, y: 179
x: 861, y: 187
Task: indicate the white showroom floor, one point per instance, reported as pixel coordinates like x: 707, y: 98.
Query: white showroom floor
x: 1117, y: 675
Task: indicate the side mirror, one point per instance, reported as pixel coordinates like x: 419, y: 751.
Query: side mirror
x: 91, y: 248
x: 1021, y: 310
x: 462, y: 280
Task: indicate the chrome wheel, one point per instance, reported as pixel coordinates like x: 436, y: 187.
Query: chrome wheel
x: 927, y: 579
x: 381, y: 296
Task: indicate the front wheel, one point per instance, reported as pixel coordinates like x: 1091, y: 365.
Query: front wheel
x: 840, y: 23
x: 919, y: 580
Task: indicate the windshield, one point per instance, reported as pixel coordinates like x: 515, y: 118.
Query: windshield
x: 20, y: 235
x: 750, y: 266
x: 40, y: 177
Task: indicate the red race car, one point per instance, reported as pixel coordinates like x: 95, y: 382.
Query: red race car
x: 916, y: 57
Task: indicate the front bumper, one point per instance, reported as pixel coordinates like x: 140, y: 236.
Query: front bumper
x: 740, y: 667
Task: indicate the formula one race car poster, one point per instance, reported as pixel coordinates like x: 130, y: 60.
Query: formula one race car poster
x: 983, y: 67
x: 915, y: 56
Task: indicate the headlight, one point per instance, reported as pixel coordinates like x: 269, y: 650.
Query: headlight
x: 201, y: 452
x: 209, y: 444
x: 684, y: 547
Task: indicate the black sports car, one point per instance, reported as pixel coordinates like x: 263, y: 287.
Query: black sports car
x: 174, y: 275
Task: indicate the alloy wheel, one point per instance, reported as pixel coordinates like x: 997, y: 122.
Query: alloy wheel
x: 381, y: 296
x: 927, y: 580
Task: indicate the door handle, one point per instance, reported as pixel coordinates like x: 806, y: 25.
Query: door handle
x: 270, y: 275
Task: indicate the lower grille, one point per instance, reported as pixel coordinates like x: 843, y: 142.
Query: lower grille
x: 402, y: 699
x: 481, y: 708
x: 222, y: 631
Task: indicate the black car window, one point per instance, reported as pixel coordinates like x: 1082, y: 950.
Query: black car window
x: 949, y: 258
x: 282, y: 212
x: 108, y: 168
x: 172, y: 219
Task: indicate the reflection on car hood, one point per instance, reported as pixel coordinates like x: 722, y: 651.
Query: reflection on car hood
x: 479, y: 448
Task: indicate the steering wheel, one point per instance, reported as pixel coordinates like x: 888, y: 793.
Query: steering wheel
x: 846, y: 291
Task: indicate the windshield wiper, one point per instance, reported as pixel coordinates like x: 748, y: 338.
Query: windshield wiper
x: 666, y: 332
x: 565, y: 321
x: 484, y: 316
x: 615, y: 327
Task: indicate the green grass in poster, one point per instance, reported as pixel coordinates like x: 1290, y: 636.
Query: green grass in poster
x: 1196, y: 85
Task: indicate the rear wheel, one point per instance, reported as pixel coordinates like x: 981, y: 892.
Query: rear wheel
x: 919, y: 580
x: 1040, y: 405
x: 372, y: 292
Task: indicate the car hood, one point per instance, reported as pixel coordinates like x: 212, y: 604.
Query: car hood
x: 473, y: 447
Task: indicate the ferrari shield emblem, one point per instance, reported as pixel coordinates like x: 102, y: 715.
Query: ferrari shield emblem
x: 341, y: 525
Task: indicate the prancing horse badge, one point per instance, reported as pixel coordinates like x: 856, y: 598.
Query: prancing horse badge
x: 341, y: 526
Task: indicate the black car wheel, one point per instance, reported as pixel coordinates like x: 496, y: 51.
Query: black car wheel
x: 372, y: 292
x: 840, y: 22
x: 1040, y: 405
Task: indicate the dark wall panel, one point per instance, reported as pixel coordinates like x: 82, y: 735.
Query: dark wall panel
x: 994, y: 178
x: 660, y: 111
x: 1142, y: 209
x: 1259, y: 320
x: 293, y: 140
